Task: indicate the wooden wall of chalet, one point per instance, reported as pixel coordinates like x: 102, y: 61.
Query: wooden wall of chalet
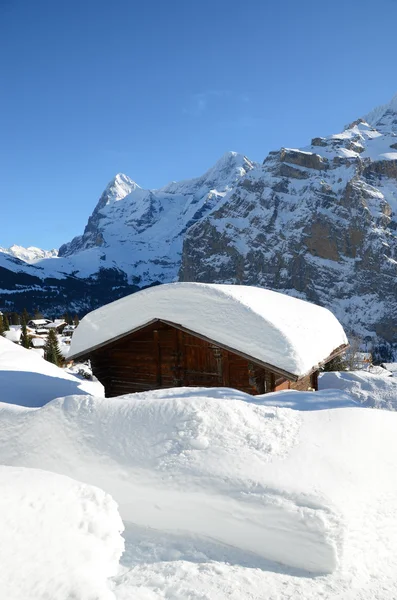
x: 161, y: 356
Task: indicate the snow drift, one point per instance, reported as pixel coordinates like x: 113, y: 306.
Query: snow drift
x: 59, y: 538
x: 28, y: 380
x: 284, y: 484
x: 371, y: 390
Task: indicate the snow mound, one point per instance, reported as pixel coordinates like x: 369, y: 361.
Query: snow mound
x: 371, y: 390
x: 59, y: 538
x: 285, y: 332
x: 28, y: 380
x: 215, y: 463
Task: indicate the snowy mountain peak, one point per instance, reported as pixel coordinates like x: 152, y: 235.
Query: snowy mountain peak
x: 30, y: 254
x: 141, y: 231
x: 384, y: 117
x: 221, y: 177
x: 230, y: 165
x: 118, y: 188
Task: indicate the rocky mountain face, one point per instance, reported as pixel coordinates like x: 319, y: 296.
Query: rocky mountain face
x: 319, y: 223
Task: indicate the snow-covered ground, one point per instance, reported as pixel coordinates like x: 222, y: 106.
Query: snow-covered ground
x: 226, y: 496
x: 60, y: 539
x: 377, y: 390
x: 28, y: 380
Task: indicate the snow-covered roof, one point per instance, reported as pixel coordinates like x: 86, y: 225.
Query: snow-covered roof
x: 290, y: 334
x: 54, y: 325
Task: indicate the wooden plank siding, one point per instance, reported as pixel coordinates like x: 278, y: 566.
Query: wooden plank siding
x: 162, y: 356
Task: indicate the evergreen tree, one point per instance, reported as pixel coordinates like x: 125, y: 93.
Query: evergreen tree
x: 6, y: 325
x: 2, y: 330
x: 76, y: 320
x: 52, y: 352
x: 15, y: 319
x: 38, y: 314
x: 339, y: 363
x: 25, y: 341
x: 25, y: 316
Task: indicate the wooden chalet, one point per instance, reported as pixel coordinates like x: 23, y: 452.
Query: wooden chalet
x: 203, y: 348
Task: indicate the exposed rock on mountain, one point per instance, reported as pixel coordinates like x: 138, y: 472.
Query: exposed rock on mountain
x: 319, y: 222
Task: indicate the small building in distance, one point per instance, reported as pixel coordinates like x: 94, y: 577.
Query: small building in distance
x: 37, y: 323
x: 193, y: 334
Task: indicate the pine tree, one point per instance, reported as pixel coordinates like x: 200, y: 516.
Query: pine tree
x: 1, y: 324
x: 25, y: 341
x: 38, y: 314
x: 76, y: 320
x: 6, y: 325
x: 15, y: 319
x: 25, y: 316
x: 52, y: 352
x: 339, y: 363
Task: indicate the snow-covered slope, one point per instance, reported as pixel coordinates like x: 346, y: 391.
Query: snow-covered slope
x: 141, y: 231
x: 60, y: 539
x: 29, y: 380
x: 30, y: 254
x: 318, y: 222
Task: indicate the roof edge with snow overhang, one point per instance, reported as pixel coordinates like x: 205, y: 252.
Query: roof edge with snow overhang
x: 290, y: 336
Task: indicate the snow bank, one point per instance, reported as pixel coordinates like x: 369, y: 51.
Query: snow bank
x: 28, y: 380
x: 285, y: 332
x: 13, y: 334
x: 59, y: 538
x: 371, y: 390
x: 283, y: 484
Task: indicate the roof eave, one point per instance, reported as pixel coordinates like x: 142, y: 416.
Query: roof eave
x: 291, y: 376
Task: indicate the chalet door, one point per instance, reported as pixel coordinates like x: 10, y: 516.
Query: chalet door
x: 203, y: 363
x: 169, y: 357
x: 184, y: 360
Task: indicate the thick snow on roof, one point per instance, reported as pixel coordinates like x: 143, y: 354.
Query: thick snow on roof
x: 59, y: 538
x: 280, y: 330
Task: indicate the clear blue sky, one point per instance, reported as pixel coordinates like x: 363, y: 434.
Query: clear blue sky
x: 161, y: 89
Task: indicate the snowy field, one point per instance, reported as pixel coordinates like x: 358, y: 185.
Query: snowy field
x: 222, y: 495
